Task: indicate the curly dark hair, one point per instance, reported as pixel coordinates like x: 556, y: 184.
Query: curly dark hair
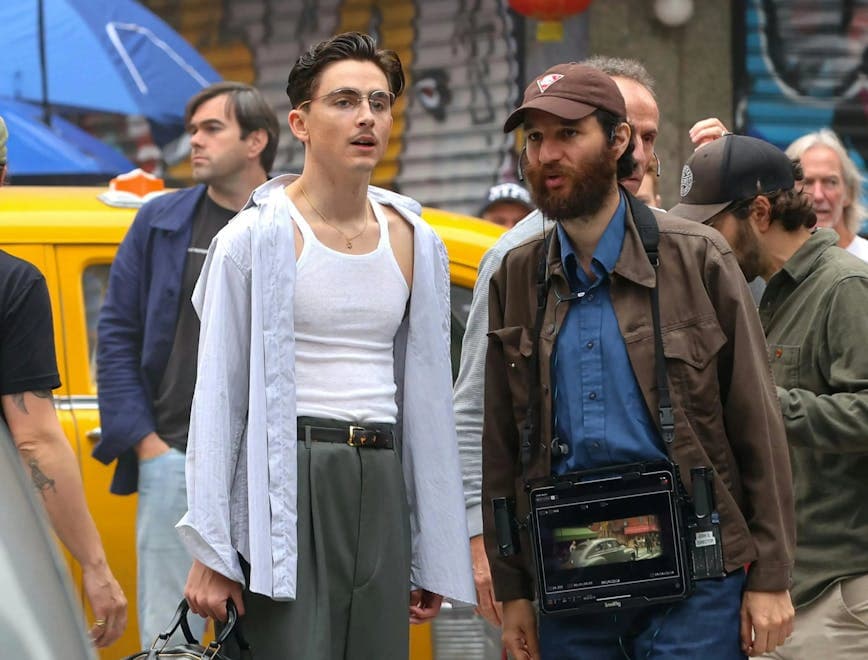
x: 304, y: 75
x: 792, y: 208
x: 609, y: 122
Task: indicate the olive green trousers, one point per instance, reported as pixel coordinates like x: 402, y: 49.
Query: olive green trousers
x: 352, y: 590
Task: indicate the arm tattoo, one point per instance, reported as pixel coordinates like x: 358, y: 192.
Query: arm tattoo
x: 40, y: 481
x: 18, y: 399
x: 44, y: 394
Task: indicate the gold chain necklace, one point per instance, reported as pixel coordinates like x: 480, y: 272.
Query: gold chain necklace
x: 349, y: 239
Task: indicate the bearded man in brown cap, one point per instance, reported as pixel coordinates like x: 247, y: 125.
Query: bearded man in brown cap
x: 626, y: 340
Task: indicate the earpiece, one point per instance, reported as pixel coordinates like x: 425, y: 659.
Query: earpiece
x: 612, y: 135
x: 519, y: 170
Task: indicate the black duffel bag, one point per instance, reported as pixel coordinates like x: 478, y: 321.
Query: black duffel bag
x: 193, y: 650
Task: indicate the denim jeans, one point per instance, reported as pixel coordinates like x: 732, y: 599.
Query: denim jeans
x: 704, y: 626
x: 163, y: 561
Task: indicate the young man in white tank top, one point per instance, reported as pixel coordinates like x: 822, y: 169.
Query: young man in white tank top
x: 347, y: 346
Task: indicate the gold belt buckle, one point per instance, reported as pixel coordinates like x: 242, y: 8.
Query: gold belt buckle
x: 351, y: 441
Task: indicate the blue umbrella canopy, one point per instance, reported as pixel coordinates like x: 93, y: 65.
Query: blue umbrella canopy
x: 35, y: 149
x: 103, y: 55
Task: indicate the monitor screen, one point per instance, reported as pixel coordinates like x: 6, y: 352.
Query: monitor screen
x: 595, y: 542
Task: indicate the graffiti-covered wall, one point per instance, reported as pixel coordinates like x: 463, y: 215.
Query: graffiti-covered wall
x: 460, y: 57
x: 805, y: 68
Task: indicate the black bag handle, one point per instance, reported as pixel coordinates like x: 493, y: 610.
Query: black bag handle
x: 233, y: 625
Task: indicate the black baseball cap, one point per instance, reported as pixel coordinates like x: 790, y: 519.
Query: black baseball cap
x: 730, y: 169
x: 570, y: 91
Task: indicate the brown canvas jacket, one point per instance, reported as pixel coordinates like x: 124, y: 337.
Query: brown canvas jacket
x: 726, y: 408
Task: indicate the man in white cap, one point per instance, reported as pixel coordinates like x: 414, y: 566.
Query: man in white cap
x: 506, y: 204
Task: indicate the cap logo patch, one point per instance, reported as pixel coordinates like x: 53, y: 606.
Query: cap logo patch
x: 686, y: 180
x: 546, y: 81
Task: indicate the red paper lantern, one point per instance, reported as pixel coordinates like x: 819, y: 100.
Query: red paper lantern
x: 549, y: 10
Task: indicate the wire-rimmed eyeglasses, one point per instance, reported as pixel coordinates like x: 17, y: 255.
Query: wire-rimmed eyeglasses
x: 346, y: 98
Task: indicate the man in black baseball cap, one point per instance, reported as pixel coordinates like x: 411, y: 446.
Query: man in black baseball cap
x: 571, y: 386
x: 732, y: 168
x: 813, y: 315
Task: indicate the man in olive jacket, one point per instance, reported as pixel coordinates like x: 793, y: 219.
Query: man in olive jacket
x: 814, y: 315
x: 598, y: 390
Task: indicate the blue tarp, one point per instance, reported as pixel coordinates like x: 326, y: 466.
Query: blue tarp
x: 105, y: 55
x: 62, y: 148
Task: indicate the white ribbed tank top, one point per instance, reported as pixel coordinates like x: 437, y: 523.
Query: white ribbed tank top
x: 347, y: 310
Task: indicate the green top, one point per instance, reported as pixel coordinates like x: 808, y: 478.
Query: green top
x: 815, y: 316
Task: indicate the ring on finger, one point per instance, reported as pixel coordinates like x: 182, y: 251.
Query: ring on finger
x: 99, y: 623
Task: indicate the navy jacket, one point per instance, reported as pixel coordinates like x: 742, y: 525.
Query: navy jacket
x: 137, y: 327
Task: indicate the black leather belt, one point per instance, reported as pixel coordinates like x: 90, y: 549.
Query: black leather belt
x: 369, y: 436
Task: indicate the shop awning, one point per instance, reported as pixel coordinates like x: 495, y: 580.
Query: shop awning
x: 574, y: 534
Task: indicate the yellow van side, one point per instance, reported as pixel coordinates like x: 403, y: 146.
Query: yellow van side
x: 72, y: 237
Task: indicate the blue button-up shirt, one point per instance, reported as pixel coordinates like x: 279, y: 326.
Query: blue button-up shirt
x: 599, y: 410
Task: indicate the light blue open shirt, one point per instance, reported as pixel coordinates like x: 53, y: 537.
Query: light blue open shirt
x: 241, y: 451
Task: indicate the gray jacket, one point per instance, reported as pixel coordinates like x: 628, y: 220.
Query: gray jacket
x: 470, y: 385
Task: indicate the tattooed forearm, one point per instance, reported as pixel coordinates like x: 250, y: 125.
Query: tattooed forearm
x: 44, y: 394
x: 18, y: 399
x: 40, y: 481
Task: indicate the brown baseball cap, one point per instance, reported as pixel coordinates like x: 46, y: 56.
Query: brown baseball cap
x: 570, y: 91
x: 731, y: 169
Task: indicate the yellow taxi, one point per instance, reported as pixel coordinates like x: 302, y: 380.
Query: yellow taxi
x: 72, y: 237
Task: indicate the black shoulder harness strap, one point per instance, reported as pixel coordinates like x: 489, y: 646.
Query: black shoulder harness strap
x: 530, y: 431
x: 649, y: 233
